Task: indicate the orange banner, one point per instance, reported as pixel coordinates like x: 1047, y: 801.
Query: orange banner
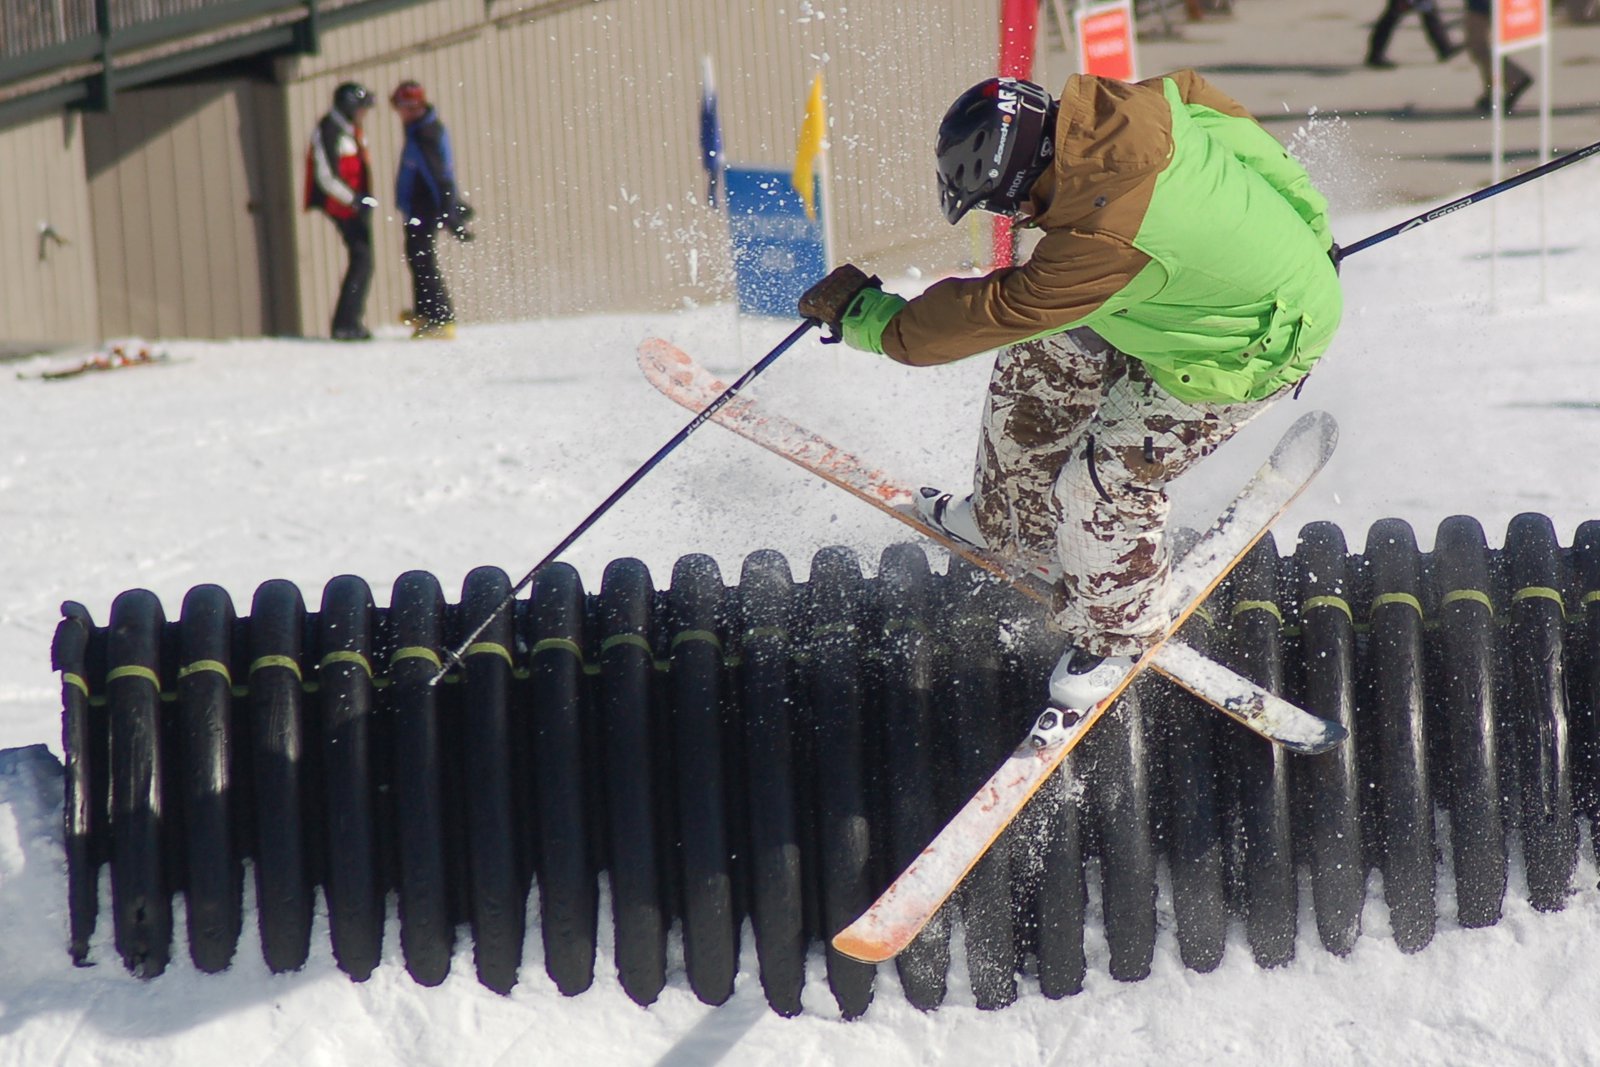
x: 1520, y: 21
x: 1105, y: 42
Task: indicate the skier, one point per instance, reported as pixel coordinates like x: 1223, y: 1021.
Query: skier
x: 1185, y: 279
x: 339, y: 183
x: 426, y: 194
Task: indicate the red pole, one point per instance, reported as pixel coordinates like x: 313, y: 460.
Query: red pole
x: 1019, y: 20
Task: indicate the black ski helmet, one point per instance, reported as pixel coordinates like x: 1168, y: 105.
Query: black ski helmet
x: 350, y: 98
x: 994, y: 143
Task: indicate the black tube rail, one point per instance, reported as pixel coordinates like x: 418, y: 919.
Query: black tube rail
x: 765, y: 756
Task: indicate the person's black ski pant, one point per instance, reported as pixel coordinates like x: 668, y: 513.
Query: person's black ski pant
x: 1393, y: 12
x: 352, y: 305
x: 430, y: 302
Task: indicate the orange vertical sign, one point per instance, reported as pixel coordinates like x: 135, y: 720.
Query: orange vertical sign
x: 1105, y: 41
x: 1520, y: 22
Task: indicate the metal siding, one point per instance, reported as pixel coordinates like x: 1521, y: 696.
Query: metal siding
x: 100, y: 156
x: 103, y: 150
x: 161, y: 250
x: 50, y: 299
x: 272, y: 171
x: 345, y: 51
x: 469, y: 267
x: 202, y: 250
x: 178, y: 251
x: 236, y: 287
x: 314, y: 239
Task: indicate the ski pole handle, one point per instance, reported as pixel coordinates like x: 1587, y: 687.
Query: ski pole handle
x: 452, y: 657
x: 1470, y: 199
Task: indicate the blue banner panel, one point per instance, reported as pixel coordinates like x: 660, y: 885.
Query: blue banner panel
x: 777, y: 251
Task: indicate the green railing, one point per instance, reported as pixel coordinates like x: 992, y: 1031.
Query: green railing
x: 79, y: 53
x: 37, y: 25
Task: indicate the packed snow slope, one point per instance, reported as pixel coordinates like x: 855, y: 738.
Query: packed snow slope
x: 247, y: 460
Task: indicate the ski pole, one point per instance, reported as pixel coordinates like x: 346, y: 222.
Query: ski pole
x: 453, y: 658
x: 1470, y: 199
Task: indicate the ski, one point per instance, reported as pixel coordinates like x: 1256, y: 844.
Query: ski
x: 685, y: 382
x: 900, y: 913
x: 118, y: 357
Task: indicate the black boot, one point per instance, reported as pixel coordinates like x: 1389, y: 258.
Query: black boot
x: 1434, y: 27
x: 1378, y: 43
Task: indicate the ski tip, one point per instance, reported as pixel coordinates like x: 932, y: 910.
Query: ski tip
x: 849, y: 942
x: 1330, y: 737
x: 1307, y: 445
x: 1319, y: 424
x: 653, y: 350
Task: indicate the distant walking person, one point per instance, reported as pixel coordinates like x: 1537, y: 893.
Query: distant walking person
x: 426, y: 194
x: 1513, y: 78
x: 339, y: 183
x: 1393, y: 12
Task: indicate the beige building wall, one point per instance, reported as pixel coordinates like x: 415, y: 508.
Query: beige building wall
x: 576, y: 133
x: 575, y: 125
x: 47, y: 280
x: 188, y: 212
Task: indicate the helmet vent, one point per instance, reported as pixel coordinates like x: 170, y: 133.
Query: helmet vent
x: 1011, y: 115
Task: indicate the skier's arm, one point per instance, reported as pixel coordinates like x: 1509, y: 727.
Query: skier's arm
x: 434, y: 145
x: 1230, y: 125
x: 1068, y: 278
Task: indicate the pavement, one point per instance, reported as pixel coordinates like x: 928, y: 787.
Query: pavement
x: 1371, y: 138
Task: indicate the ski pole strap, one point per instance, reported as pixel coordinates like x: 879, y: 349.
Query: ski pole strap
x: 206, y: 666
x: 421, y: 652
x: 356, y: 659
x: 1467, y: 596
x: 133, y: 671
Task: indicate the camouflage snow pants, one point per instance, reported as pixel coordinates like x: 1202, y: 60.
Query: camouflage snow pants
x: 1052, y: 402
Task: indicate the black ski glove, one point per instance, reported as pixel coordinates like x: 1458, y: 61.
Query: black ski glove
x: 1336, y: 254
x: 829, y: 299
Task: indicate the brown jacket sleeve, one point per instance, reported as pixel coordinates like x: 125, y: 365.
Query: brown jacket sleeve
x: 1068, y: 277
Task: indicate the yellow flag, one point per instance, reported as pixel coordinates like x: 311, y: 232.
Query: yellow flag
x: 806, y: 152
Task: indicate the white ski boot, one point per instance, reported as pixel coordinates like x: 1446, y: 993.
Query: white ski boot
x: 954, y: 519
x: 1079, y: 682
x: 950, y: 516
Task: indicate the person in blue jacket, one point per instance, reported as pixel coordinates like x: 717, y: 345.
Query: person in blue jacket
x: 429, y: 202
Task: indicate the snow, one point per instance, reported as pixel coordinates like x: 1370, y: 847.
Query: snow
x: 247, y: 460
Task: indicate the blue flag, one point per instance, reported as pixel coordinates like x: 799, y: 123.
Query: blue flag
x: 710, y: 135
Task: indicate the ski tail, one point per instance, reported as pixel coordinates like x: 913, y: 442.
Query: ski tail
x: 1265, y: 713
